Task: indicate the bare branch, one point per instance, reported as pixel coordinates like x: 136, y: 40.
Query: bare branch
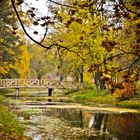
x: 66, y: 48
x: 45, y: 34
x: 61, y: 4
x: 22, y: 25
x: 122, y: 3
x: 132, y: 64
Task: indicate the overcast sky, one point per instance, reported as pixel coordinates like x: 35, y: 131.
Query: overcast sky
x: 42, y: 10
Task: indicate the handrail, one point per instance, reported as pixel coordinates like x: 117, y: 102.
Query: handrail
x: 43, y: 83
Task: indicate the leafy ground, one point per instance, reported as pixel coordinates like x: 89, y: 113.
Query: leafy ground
x: 89, y: 97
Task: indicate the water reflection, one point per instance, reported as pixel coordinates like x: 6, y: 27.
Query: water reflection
x: 75, y: 124
x: 125, y: 126
x: 121, y: 126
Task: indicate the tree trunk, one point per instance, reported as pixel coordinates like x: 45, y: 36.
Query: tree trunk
x: 81, y: 70
x: 100, y: 84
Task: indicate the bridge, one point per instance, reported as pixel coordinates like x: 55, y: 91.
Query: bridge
x: 35, y: 83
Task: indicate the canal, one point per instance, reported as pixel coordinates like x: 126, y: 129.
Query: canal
x: 67, y: 121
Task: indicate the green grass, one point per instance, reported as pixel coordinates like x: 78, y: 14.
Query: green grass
x: 1, y: 99
x: 10, y: 128
x: 8, y: 123
x: 90, y: 97
x: 129, y: 104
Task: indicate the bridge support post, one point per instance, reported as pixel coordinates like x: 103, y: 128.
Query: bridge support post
x: 50, y: 91
x: 17, y: 93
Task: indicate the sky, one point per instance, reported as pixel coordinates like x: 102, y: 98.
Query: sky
x: 42, y: 10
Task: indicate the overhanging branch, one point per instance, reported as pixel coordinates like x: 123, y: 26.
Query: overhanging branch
x: 22, y: 25
x: 122, y: 3
x: 47, y: 47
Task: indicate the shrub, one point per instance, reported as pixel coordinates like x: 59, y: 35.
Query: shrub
x: 127, y: 91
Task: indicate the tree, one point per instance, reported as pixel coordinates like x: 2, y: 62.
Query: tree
x: 42, y: 62
x: 94, y: 31
x: 12, y: 46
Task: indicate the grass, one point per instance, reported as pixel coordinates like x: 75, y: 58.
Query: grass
x: 89, y: 97
x: 10, y: 128
x: 129, y: 104
x: 1, y: 99
x: 8, y: 123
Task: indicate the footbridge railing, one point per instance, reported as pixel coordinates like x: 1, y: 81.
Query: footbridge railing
x: 35, y: 83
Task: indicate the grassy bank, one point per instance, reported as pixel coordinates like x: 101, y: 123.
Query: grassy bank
x: 90, y: 97
x: 10, y: 128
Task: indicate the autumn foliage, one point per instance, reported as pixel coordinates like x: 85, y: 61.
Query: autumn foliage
x: 126, y: 89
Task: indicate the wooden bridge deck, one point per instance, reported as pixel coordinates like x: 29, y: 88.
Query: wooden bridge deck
x: 35, y: 83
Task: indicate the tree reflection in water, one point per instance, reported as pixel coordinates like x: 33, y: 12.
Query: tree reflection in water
x: 82, y: 124
x: 124, y: 126
x: 120, y: 126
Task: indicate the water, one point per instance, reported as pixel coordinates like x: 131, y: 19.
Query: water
x: 46, y: 123
x: 76, y: 124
